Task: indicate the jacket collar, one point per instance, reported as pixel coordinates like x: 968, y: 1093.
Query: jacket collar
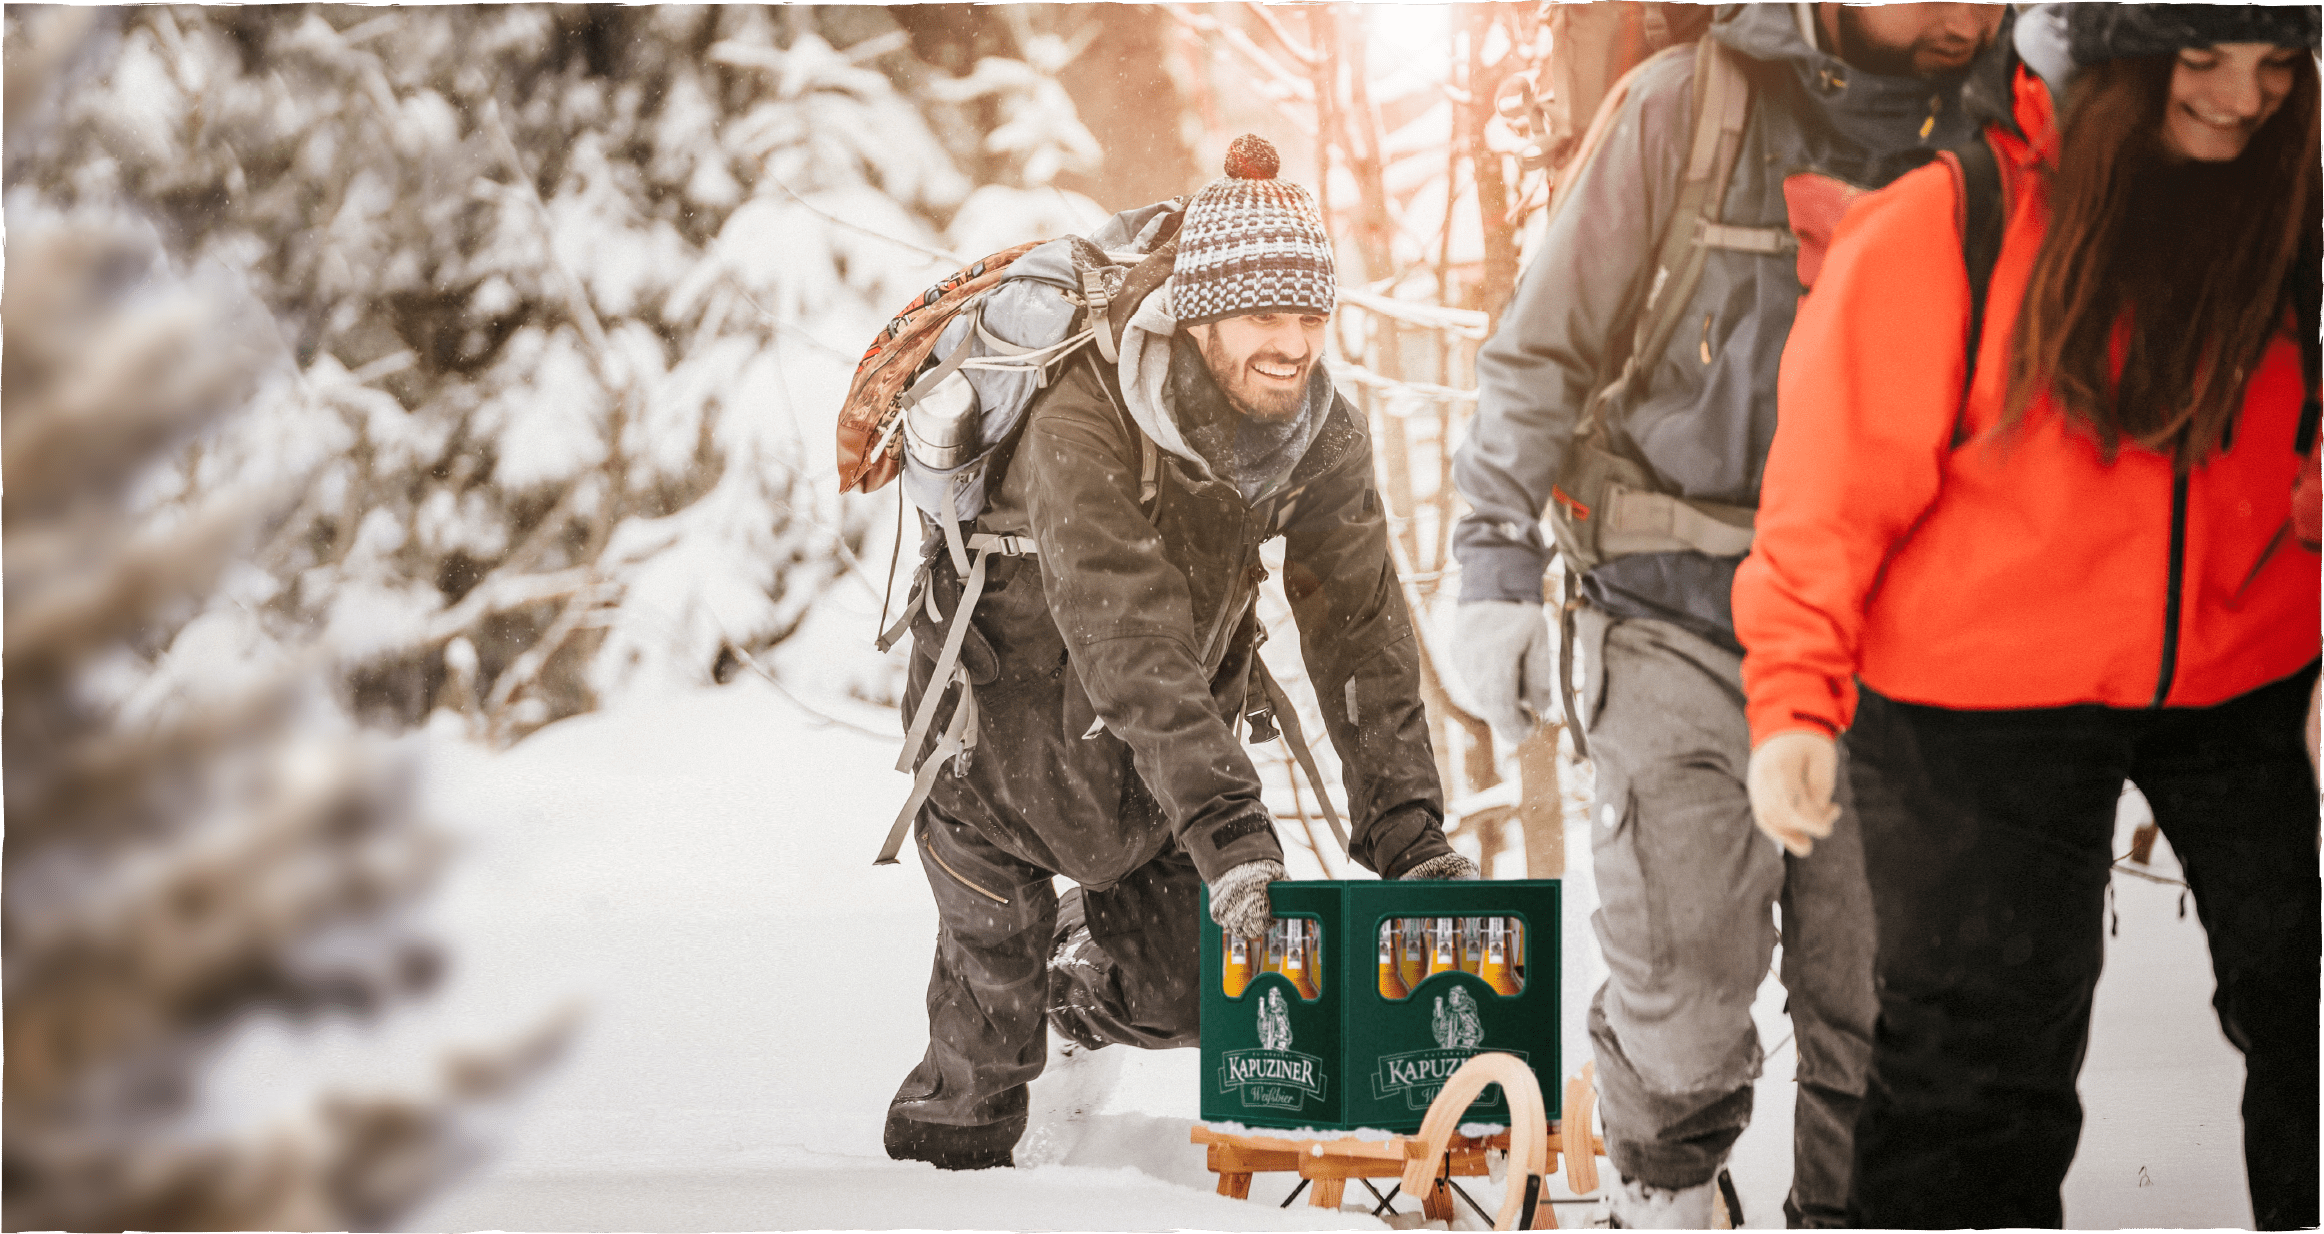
x: 1869, y: 109
x: 2028, y: 133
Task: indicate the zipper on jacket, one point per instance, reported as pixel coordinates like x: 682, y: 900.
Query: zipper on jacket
x: 2171, y: 595
x: 1230, y: 603
x: 958, y: 877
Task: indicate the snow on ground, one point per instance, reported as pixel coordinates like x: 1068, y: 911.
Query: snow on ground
x: 697, y: 867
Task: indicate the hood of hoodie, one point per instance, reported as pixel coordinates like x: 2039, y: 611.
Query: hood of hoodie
x: 1864, y: 110
x: 1144, y: 368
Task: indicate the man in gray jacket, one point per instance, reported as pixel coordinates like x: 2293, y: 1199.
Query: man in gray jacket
x: 1112, y: 656
x: 1856, y: 95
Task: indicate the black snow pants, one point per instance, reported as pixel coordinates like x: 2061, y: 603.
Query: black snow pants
x: 1132, y: 981
x: 1986, y: 841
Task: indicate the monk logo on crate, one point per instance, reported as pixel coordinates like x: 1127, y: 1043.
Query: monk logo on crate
x: 1456, y: 1022
x: 1274, y: 1076
x: 1274, y: 1022
x: 1418, y: 1075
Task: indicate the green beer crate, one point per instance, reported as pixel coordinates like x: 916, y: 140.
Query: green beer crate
x: 1352, y: 1057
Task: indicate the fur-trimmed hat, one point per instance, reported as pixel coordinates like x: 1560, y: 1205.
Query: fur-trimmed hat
x: 1251, y: 243
x: 2098, y: 32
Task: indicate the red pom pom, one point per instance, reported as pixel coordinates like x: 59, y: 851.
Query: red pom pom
x: 1249, y: 157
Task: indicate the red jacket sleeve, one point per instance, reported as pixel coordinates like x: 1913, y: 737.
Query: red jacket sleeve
x: 2308, y: 503
x: 1868, y: 396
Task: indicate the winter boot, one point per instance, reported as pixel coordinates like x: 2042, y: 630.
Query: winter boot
x: 1072, y: 932
x: 1700, y: 1207
x: 948, y: 1147
x: 1073, y: 948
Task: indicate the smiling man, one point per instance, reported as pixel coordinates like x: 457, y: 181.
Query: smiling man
x: 1114, y: 655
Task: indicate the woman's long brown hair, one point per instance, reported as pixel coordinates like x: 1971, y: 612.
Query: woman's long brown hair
x: 2187, y: 267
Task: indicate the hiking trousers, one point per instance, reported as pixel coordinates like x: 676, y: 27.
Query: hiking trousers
x: 1133, y: 981
x: 1686, y: 884
x: 1987, y: 838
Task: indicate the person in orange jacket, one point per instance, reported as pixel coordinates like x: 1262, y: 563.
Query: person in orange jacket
x: 2018, y: 583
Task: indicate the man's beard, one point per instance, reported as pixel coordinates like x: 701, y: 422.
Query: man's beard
x: 1244, y: 388
x: 1862, y: 53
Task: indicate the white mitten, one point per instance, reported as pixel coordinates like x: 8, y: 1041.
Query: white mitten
x: 1503, y: 652
x: 1791, y: 780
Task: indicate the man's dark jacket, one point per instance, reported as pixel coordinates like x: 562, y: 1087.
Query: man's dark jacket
x: 1111, y: 667
x: 1704, y: 424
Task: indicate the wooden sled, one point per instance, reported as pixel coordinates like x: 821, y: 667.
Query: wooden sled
x: 1425, y: 1163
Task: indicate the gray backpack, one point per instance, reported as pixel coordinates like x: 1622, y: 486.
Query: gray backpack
x: 1605, y: 504
x: 955, y: 428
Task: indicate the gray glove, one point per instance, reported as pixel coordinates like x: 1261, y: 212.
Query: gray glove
x: 1238, y: 900
x: 1449, y: 868
x: 1503, y: 652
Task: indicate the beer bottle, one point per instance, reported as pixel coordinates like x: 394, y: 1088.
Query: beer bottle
x: 1444, y: 946
x: 1472, y: 945
x: 1315, y: 954
x: 1392, y: 985
x: 1517, y: 947
x: 1241, y: 965
x: 1274, y: 957
x: 1412, y: 945
x: 1495, y: 968
x: 1297, y: 959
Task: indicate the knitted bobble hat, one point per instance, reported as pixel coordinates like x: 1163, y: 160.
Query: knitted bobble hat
x: 2096, y: 32
x: 1251, y: 243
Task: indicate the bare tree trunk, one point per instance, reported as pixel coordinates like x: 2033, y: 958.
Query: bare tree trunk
x: 1541, y: 804
x: 1124, y: 92
x: 1499, y: 281
x: 1477, y: 760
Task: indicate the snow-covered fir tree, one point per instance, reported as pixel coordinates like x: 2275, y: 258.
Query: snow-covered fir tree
x: 370, y: 362
x: 574, y: 293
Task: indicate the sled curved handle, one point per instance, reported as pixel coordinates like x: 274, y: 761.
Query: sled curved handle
x: 1528, y: 1134
x: 1574, y: 1137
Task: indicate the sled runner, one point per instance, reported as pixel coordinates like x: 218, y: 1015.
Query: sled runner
x: 1426, y: 1163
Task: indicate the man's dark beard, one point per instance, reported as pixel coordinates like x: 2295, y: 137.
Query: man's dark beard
x: 1230, y: 376
x: 1862, y: 53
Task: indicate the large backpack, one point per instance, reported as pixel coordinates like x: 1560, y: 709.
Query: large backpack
x: 939, y: 399
x: 1605, y: 504
x: 939, y: 394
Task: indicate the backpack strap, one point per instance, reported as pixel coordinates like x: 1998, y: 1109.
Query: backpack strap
x: 1636, y: 518
x: 1722, y: 98
x: 1979, y: 214
x: 958, y: 741
x: 1568, y: 606
x: 1287, y: 716
x: 1149, y: 454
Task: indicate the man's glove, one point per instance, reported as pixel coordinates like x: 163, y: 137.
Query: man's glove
x: 1450, y: 867
x: 1238, y: 900
x: 1502, y: 650
x: 1791, y: 779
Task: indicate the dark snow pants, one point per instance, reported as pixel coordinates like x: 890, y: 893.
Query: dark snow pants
x: 1987, y: 841
x: 1133, y: 981
x: 1686, y: 885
